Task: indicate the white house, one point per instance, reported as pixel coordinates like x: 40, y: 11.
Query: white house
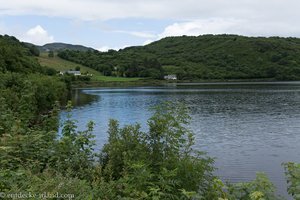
x: 171, y: 77
x: 75, y: 73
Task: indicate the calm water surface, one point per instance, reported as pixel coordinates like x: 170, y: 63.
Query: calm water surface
x: 247, y: 127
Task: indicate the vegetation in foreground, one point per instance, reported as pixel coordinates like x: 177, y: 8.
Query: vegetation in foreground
x: 159, y: 163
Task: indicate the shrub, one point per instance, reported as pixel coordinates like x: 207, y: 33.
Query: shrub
x: 292, y: 171
x: 159, y: 163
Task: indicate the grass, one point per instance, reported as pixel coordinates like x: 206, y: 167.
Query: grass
x: 64, y: 65
x: 111, y: 78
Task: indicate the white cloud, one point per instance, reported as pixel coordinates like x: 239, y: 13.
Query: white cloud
x: 230, y: 26
x: 193, y: 17
x: 37, y: 35
x: 200, y: 27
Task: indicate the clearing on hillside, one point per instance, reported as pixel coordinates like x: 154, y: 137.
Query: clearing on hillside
x: 60, y: 64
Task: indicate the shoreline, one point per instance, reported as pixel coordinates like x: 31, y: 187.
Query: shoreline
x: 152, y: 82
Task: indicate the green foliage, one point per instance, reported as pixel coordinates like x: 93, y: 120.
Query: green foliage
x: 155, y: 164
x: 44, y: 185
x: 202, y: 57
x: 77, y: 68
x: 74, y: 151
x: 53, y: 65
x: 35, y: 94
x: 28, y: 125
x: 217, y: 190
x: 32, y: 156
x: 259, y: 189
x: 51, y: 54
x: 160, y: 163
x: 28, y: 110
x: 32, y: 49
x: 112, y: 64
x: 17, y: 57
x: 292, y: 171
x: 59, y: 64
x: 50, y: 71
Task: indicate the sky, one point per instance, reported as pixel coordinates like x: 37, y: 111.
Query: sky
x: 115, y: 24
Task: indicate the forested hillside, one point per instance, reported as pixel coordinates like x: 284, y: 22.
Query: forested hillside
x: 56, y: 46
x: 202, y: 57
x: 17, y: 57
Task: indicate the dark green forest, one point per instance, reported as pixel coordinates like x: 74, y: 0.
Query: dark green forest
x: 200, y: 58
x: 17, y: 57
x: 159, y: 163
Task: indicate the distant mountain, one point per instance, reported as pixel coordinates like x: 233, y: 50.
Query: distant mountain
x: 63, y: 46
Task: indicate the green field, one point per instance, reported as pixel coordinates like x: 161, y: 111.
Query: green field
x: 63, y: 65
x: 111, y: 78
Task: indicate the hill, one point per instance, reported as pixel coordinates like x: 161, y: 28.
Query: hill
x: 62, y: 46
x: 17, y: 57
x: 202, y: 57
x: 60, y: 64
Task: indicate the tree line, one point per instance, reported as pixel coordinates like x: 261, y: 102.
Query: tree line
x: 112, y: 64
x: 204, y: 57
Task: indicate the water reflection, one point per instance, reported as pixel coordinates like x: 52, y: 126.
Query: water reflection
x: 80, y: 98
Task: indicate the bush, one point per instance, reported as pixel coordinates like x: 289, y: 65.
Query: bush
x: 73, y: 151
x: 292, y: 171
x: 159, y: 163
x: 259, y: 189
x: 44, y: 185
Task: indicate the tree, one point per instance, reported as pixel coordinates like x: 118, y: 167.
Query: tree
x: 34, y: 50
x: 153, y: 164
x: 51, y: 54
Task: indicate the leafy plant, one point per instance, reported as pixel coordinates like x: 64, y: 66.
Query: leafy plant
x: 292, y: 171
x: 74, y: 153
x: 259, y: 189
x: 159, y: 163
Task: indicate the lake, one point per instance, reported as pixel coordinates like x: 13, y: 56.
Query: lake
x: 246, y: 127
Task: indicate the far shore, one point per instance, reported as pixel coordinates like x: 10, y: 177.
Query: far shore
x: 153, y: 82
